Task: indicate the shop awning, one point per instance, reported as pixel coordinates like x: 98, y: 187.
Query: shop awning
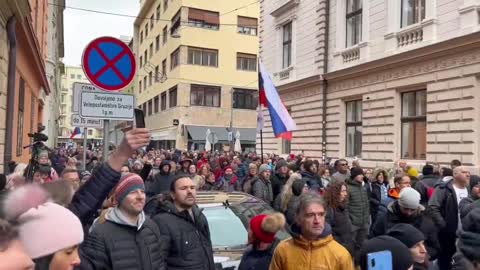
x: 164, y: 135
x: 198, y: 133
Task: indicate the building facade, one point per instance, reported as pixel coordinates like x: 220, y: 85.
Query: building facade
x: 72, y: 75
x: 403, y: 81
x: 197, y: 70
x: 292, y: 48
x: 55, y: 69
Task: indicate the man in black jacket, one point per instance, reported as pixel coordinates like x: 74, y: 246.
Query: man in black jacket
x: 161, y: 181
x: 444, y: 208
x: 124, y: 228
x: 280, y: 177
x: 184, y: 229
x: 426, y: 185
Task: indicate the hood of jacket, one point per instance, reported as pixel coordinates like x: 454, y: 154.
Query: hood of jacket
x: 165, y: 162
x: 377, y: 172
x: 308, y: 174
x: 115, y: 215
x: 324, y: 238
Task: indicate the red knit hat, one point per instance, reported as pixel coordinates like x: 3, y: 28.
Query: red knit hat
x: 264, y: 227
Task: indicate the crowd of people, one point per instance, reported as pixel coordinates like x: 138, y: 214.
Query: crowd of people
x: 95, y: 216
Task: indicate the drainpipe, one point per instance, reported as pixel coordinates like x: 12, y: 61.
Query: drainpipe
x: 12, y: 63
x: 325, y: 84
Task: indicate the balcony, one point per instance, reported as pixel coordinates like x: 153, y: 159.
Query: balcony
x: 351, y: 54
x: 410, y: 36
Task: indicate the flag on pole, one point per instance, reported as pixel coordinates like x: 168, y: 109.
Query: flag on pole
x: 260, y: 118
x: 75, y: 132
x: 282, y: 122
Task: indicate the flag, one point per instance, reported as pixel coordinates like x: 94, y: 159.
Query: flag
x: 282, y: 122
x: 75, y: 132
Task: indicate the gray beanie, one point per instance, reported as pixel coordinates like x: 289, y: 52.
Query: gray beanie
x: 264, y: 167
x: 409, y: 198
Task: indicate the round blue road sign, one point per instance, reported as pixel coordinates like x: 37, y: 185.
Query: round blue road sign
x: 109, y: 63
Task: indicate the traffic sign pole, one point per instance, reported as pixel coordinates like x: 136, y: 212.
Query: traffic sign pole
x: 84, y: 148
x: 106, y: 133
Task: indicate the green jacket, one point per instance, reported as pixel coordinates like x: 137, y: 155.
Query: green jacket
x: 358, y: 203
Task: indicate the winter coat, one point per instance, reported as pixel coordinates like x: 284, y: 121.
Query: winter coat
x: 278, y: 182
x: 187, y: 241
x: 340, y: 177
x: 299, y: 253
x: 313, y: 180
x: 254, y: 259
x: 229, y: 186
x: 423, y: 186
x: 375, y: 198
x: 209, y: 186
x: 89, y: 198
x: 291, y: 211
x: 242, y: 171
x: 459, y: 262
x: 444, y: 208
x: 247, y: 183
x: 161, y: 181
x: 358, y: 203
x: 420, y: 220
x: 262, y: 189
x: 118, y: 246
x: 339, y: 219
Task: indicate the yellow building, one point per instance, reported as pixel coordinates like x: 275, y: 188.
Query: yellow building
x: 72, y: 75
x: 194, y: 60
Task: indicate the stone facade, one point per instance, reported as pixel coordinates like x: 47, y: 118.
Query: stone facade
x: 4, y: 48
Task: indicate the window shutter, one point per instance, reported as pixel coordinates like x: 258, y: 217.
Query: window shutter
x: 247, y: 22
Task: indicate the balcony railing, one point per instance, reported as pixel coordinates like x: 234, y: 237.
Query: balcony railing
x: 410, y: 36
x: 351, y: 54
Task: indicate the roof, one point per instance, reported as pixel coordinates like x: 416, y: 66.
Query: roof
x: 213, y: 198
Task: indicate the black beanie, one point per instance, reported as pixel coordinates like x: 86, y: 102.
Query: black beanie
x: 297, y: 187
x: 401, y: 256
x: 427, y: 170
x: 407, y: 234
x: 356, y: 172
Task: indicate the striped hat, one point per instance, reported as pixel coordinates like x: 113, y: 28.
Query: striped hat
x: 128, y: 183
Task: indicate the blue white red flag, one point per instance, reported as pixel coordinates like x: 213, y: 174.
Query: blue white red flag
x: 282, y: 122
x: 75, y: 132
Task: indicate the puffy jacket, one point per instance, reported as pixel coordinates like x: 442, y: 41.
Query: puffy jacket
x: 161, y: 181
x: 375, y: 198
x: 339, y: 219
x: 248, y: 182
x: 299, y: 253
x: 313, y: 180
x: 187, y: 241
x: 89, y: 198
x: 254, y: 259
x: 358, y: 203
x: 420, y: 220
x: 262, y: 189
x: 117, y: 247
x: 278, y: 181
x: 444, y: 207
x: 422, y: 186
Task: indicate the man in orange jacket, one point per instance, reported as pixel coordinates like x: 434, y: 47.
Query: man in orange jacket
x: 312, y: 245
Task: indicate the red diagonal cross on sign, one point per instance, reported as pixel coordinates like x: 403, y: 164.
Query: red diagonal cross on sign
x: 110, y: 63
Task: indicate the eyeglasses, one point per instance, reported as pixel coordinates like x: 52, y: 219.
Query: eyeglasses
x: 343, y: 164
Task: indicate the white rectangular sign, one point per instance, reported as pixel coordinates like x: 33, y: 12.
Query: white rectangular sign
x: 78, y: 88
x: 106, y: 105
x: 78, y: 121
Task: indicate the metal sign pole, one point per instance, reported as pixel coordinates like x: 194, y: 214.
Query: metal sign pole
x: 106, y: 127
x: 84, y: 148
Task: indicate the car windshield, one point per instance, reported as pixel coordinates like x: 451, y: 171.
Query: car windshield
x: 226, y: 228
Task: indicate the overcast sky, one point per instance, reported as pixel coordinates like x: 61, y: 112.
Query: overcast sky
x: 80, y: 27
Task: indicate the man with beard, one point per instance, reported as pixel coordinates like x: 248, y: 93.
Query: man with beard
x: 184, y: 229
x: 126, y: 228
x: 161, y: 181
x: 280, y: 177
x: 310, y: 175
x: 185, y: 164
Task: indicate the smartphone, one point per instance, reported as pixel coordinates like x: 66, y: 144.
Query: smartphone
x: 381, y: 260
x: 139, y: 119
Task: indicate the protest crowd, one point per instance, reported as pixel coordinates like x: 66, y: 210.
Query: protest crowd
x: 91, y: 216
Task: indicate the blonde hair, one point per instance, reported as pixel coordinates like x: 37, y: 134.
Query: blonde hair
x: 287, y: 193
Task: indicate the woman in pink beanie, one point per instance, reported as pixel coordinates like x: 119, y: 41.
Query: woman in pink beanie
x: 50, y: 233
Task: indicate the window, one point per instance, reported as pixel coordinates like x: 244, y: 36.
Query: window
x: 150, y: 111
x: 146, y: 30
x: 157, y: 75
x: 158, y: 12
x: 21, y: 107
x: 90, y: 132
x: 145, y: 83
x: 413, y: 11
x: 245, y: 99
x: 164, y: 68
x: 163, y: 99
x: 354, y: 22
x: 246, y: 62
x: 203, y: 18
x: 354, y: 128
x: 79, y: 77
x: 165, y: 5
x: 247, y: 26
x: 141, y: 61
x: 140, y: 86
x: 164, y: 33
x: 144, y: 108
x: 150, y: 78
x: 151, y: 50
x: 203, y: 57
x: 287, y: 45
x: 414, y: 125
x: 72, y: 76
x: 174, y: 59
x: 141, y: 37
x: 172, y: 96
x: 157, y: 43
x: 152, y: 21
x: 155, y: 104
x: 205, y: 95
x: 175, y: 23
